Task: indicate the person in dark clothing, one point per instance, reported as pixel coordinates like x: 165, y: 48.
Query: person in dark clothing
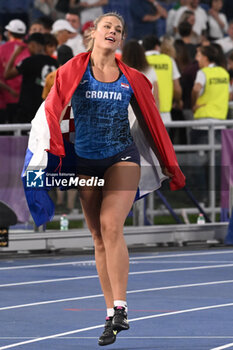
x: 228, y: 9
x: 185, y: 31
x: 145, y: 14
x: 34, y: 70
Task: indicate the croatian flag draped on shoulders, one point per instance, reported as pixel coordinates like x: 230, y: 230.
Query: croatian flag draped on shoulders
x: 53, y: 125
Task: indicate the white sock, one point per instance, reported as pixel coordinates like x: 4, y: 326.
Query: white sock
x: 110, y: 312
x: 122, y: 303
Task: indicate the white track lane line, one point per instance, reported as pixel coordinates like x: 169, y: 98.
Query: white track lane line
x: 130, y: 273
x: 223, y: 347
x: 183, y: 254
x: 131, y: 259
x: 82, y: 262
x: 132, y: 337
x: 128, y: 292
x: 100, y: 326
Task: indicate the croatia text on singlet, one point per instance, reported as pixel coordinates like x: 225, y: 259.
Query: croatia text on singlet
x: 101, y: 117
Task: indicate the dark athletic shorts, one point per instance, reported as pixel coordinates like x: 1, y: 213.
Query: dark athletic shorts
x: 97, y: 167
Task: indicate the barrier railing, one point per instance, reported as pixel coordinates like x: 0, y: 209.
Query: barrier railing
x: 211, y: 148
x: 17, y: 129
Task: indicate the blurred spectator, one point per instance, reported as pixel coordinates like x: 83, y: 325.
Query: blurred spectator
x: 91, y: 9
x: 167, y: 46
x: 62, y: 7
x: 210, y: 98
x: 145, y: 14
x: 185, y: 33
x: 230, y: 62
x: 16, y: 30
x: 228, y: 9
x: 230, y: 71
x: 62, y: 30
x: 210, y: 93
x: 200, y: 25
x: 44, y: 7
x: 5, y: 88
x: 189, y: 16
x: 76, y: 40
x: 2, y: 39
x: 167, y: 73
x: 12, y: 9
x: 36, y: 27
x: 220, y: 57
x: 217, y: 22
x: 64, y: 54
x: 50, y: 44
x: 133, y: 54
x: 34, y: 70
x: 188, y: 69
x: 172, y: 15
x: 47, y: 23
x: 227, y: 42
x: 86, y: 32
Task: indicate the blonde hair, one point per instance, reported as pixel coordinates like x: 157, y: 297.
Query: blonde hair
x: 167, y: 46
x: 99, y: 19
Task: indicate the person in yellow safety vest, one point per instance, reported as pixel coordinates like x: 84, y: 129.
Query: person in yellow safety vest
x: 167, y: 73
x: 210, y: 97
x: 211, y: 90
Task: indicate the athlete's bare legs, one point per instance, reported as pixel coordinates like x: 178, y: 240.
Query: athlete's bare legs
x: 105, y: 214
x: 91, y: 203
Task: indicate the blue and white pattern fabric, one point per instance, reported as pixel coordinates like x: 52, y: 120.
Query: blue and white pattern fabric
x: 101, y: 117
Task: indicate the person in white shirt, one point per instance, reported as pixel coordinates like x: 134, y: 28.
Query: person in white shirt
x: 62, y: 30
x: 171, y: 15
x: 217, y: 21
x: 200, y: 24
x: 91, y: 9
x: 76, y: 40
x: 227, y: 42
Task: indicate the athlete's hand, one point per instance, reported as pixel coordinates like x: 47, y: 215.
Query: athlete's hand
x: 166, y: 172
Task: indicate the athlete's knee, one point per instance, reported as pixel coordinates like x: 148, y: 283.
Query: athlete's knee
x: 110, y: 231
x: 98, y: 240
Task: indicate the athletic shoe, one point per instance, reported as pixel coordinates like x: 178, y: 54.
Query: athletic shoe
x: 109, y: 335
x: 120, y: 320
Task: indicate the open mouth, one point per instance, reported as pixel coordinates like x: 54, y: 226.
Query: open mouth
x: 110, y: 38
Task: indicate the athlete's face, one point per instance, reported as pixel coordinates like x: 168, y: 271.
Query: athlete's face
x: 108, y: 33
